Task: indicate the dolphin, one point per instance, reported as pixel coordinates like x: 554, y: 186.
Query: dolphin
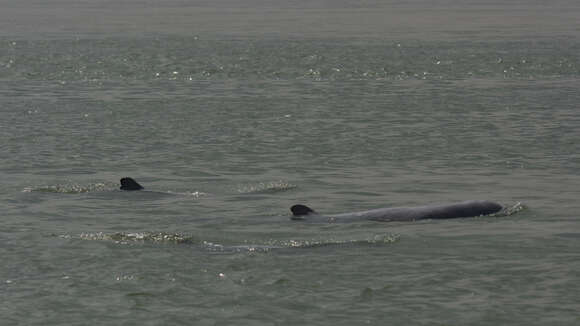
x: 130, y: 184
x: 470, y: 208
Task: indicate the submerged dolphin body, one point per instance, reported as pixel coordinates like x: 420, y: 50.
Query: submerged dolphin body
x: 470, y: 208
x: 130, y: 184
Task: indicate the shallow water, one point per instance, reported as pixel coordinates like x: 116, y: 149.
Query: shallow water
x: 229, y: 125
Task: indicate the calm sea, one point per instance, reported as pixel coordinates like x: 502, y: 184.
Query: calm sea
x: 229, y: 112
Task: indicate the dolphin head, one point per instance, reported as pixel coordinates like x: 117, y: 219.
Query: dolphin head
x: 299, y: 212
x: 130, y: 184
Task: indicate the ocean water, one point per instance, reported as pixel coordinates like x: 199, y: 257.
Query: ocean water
x: 228, y: 113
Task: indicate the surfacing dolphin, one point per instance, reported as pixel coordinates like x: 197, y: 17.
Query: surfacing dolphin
x: 130, y: 184
x: 470, y: 208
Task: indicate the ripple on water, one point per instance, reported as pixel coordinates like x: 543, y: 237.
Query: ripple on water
x: 72, y: 188
x: 264, y: 246
x: 266, y: 187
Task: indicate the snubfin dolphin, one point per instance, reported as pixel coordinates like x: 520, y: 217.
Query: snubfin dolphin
x: 470, y: 208
x: 130, y: 184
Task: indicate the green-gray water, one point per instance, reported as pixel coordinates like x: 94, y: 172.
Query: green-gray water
x: 230, y: 114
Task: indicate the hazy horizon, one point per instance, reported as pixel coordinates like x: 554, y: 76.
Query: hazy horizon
x: 419, y: 19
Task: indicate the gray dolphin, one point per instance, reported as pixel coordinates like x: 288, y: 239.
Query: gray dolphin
x: 470, y: 208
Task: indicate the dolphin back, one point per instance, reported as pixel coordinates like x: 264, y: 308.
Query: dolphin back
x: 470, y: 208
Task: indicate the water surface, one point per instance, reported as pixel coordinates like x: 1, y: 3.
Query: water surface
x: 228, y: 114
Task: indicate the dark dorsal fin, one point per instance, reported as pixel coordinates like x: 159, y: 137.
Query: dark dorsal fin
x: 300, y: 210
x: 130, y: 184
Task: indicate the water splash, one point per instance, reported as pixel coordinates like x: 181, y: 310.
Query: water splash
x: 176, y: 238
x: 509, y: 210
x: 276, y: 245
x: 266, y: 187
x: 379, y: 239
x: 72, y: 188
x: 193, y: 194
x: 136, y: 237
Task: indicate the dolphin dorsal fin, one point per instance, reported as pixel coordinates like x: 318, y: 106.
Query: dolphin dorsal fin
x: 130, y: 184
x: 300, y: 210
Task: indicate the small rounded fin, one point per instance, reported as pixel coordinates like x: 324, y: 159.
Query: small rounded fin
x: 130, y: 184
x: 300, y: 210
